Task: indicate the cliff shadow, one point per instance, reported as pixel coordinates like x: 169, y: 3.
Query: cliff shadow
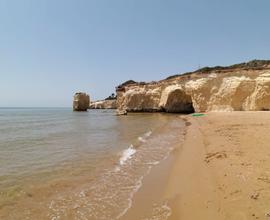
x: 179, y: 102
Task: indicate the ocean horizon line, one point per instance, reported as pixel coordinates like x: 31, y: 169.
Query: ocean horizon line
x: 33, y: 107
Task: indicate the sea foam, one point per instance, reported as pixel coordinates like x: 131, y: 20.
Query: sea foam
x: 127, y: 154
x: 146, y: 135
x: 141, y: 139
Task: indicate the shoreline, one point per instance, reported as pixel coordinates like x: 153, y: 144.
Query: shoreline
x: 214, y: 167
x: 191, y: 187
x: 150, y: 201
x: 219, y: 172
x: 106, y: 191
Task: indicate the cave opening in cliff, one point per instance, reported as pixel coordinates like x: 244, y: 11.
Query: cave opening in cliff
x: 179, y: 102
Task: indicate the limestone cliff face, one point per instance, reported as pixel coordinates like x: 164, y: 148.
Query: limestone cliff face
x: 103, y: 104
x: 80, y: 101
x: 241, y: 87
x: 138, y: 98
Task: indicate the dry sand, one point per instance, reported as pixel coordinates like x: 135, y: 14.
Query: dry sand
x: 220, y: 172
x: 223, y: 168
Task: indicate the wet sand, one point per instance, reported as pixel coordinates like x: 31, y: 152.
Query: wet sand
x: 221, y: 171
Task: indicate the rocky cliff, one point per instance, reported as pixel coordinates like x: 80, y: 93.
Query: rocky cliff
x: 103, y: 104
x: 240, y: 87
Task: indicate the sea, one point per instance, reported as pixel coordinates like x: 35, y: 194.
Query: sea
x: 59, y: 164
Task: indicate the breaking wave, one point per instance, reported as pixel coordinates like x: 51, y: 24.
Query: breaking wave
x: 127, y: 154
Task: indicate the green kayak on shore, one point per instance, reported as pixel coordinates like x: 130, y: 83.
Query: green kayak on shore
x: 198, y: 114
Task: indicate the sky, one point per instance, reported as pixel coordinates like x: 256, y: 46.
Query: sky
x: 50, y: 49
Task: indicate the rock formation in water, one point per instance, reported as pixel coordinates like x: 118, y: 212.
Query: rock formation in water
x: 81, y: 101
x: 240, y: 87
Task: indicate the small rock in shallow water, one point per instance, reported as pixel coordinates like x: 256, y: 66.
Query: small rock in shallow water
x: 121, y: 112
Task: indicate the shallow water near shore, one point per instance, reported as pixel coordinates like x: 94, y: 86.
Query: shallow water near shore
x: 59, y: 164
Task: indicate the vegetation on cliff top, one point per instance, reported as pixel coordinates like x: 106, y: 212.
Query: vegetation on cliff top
x: 111, y: 97
x: 254, y: 64
x: 129, y: 82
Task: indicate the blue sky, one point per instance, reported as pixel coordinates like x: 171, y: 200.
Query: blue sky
x: 50, y: 49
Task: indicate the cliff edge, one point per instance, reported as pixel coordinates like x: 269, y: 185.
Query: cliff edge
x: 240, y: 87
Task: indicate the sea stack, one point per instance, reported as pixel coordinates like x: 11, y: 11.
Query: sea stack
x: 81, y: 101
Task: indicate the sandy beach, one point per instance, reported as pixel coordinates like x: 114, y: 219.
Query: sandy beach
x: 221, y: 171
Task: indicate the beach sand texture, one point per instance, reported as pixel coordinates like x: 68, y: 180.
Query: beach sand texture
x: 220, y: 172
x: 223, y: 168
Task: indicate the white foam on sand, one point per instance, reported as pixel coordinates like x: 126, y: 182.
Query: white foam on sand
x: 137, y: 187
x: 141, y: 139
x: 160, y: 212
x: 146, y: 135
x: 127, y: 154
